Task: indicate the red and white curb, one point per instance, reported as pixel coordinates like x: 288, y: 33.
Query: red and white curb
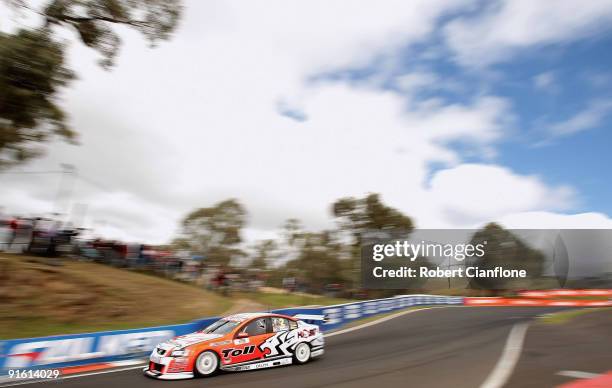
x: 105, y: 365
x: 586, y: 379
x: 565, y: 293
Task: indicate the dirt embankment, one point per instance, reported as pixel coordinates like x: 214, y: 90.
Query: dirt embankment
x: 41, y: 299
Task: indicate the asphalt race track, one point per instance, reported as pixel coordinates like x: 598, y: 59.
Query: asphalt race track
x: 442, y: 347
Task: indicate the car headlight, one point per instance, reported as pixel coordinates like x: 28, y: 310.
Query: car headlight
x: 179, y: 353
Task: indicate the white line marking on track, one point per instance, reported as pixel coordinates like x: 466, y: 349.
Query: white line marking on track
x: 576, y: 374
x: 510, y: 355
x: 130, y: 362
x: 105, y: 371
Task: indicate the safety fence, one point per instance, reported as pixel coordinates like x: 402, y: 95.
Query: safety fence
x: 107, y: 346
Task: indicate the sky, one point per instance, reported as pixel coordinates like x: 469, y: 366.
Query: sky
x: 457, y: 112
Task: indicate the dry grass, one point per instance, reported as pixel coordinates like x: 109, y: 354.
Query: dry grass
x: 562, y: 317
x: 41, y: 299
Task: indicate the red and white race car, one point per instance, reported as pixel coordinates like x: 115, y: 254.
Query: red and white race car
x: 238, y: 342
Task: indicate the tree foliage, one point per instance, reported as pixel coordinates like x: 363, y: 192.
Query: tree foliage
x: 315, y: 259
x: 33, y: 69
x: 358, y: 215
x: 333, y: 256
x: 292, y: 231
x: 504, y: 249
x: 215, y: 232
x: 319, y: 260
x: 266, y: 252
x: 92, y: 20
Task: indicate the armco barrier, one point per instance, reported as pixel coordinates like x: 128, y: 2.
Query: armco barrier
x: 79, y: 349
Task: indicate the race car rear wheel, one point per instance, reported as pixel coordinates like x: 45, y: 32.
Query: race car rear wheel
x: 207, y: 363
x: 301, y: 354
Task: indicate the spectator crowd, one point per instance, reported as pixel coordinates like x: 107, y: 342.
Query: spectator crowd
x: 57, y: 241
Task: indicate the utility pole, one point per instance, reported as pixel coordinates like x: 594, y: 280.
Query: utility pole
x: 64, y: 191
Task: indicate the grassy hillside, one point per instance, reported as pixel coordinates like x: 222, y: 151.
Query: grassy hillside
x: 40, y: 299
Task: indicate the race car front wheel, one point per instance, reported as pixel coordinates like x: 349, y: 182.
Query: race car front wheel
x: 207, y: 363
x: 301, y: 354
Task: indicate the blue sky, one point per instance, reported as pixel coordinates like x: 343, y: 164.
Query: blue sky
x: 582, y: 76
x: 545, y: 86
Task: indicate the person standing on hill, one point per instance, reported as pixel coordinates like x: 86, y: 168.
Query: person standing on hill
x: 13, y: 226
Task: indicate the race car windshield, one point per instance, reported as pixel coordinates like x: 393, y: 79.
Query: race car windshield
x: 222, y: 326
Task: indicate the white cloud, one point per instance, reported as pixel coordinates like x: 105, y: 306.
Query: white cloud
x: 545, y: 81
x: 472, y: 194
x: 598, y: 79
x: 511, y: 25
x: 586, y: 119
x: 416, y: 81
x: 549, y: 220
x: 196, y: 121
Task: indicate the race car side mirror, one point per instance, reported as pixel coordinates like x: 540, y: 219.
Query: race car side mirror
x: 243, y: 334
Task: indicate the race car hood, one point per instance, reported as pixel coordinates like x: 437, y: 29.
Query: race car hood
x: 190, y: 339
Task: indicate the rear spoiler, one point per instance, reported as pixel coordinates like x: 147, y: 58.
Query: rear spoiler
x: 308, y: 317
